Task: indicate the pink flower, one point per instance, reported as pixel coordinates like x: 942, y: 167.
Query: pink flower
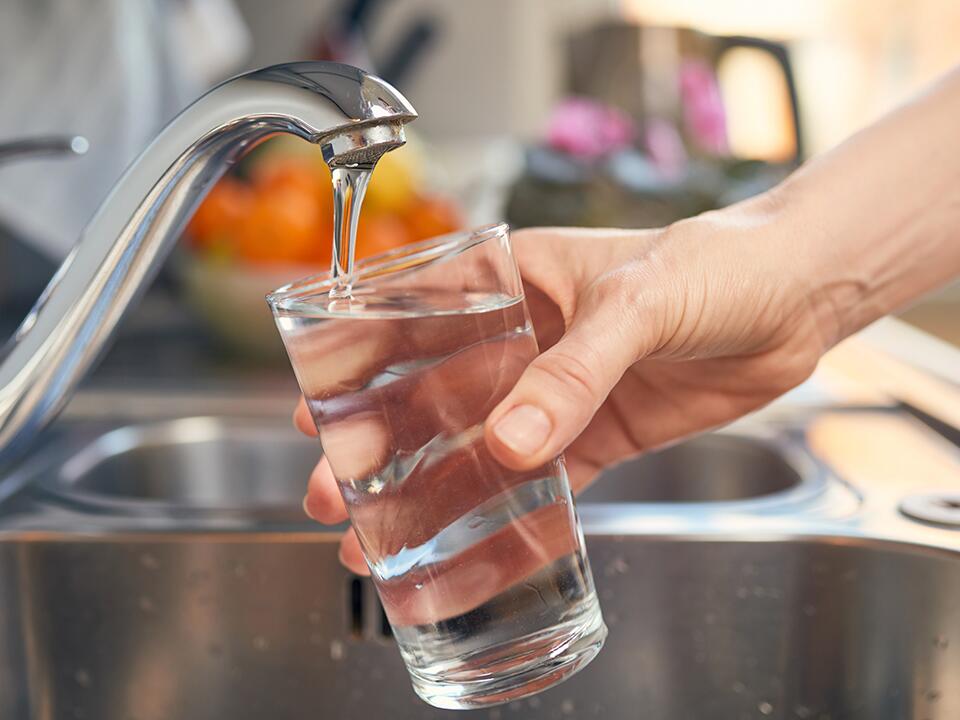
x: 703, y: 112
x: 588, y: 129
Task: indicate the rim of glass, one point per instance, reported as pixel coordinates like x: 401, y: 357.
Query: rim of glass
x: 392, y: 262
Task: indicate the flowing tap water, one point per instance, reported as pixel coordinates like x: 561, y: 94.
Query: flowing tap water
x: 349, y: 187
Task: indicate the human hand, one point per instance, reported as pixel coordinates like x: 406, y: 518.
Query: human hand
x: 646, y: 337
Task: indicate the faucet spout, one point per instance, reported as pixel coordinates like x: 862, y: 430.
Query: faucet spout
x: 355, y: 117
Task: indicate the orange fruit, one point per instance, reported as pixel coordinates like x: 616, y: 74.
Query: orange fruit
x: 286, y: 224
x: 379, y: 233
x: 432, y: 216
x: 221, y: 212
x: 284, y: 171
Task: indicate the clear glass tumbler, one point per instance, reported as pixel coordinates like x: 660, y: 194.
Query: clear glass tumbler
x: 481, y: 570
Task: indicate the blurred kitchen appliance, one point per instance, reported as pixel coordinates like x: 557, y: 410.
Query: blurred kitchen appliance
x: 665, y: 83
x: 643, y: 69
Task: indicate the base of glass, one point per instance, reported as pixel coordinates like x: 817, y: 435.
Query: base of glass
x: 523, y: 667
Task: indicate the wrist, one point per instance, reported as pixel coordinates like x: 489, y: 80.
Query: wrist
x: 875, y: 220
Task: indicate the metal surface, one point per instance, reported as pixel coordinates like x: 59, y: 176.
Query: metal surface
x: 938, y: 508
x: 710, y: 468
x: 163, y: 569
x: 215, y: 466
x: 256, y: 626
x: 353, y: 116
x: 211, y: 468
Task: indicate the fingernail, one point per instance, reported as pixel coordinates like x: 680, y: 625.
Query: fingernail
x: 524, y: 429
x: 306, y: 508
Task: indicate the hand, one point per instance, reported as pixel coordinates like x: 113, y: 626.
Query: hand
x: 646, y: 337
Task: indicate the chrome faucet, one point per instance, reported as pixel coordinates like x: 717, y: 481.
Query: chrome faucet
x: 354, y: 117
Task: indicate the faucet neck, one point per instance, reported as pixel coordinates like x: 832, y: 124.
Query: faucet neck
x: 342, y: 108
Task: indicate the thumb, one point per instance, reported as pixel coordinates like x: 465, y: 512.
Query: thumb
x: 559, y: 392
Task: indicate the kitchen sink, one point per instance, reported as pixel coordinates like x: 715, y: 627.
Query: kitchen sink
x: 270, y: 626
x: 219, y: 466
x: 164, y: 569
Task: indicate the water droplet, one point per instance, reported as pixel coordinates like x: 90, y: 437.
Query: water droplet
x: 534, y: 702
x: 617, y: 566
x: 83, y: 678
x: 567, y: 707
x: 742, y: 592
x: 765, y: 707
x: 314, y: 618
x: 941, y: 642
x: 933, y: 695
x: 149, y: 562
x: 337, y: 650
x: 260, y: 643
x: 418, y: 586
x: 476, y: 522
x: 739, y: 688
x: 802, y: 711
x: 809, y: 610
x: 146, y: 604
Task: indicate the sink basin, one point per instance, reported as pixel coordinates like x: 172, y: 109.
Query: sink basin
x: 269, y: 625
x: 165, y: 570
x: 215, y: 466
x: 720, y: 467
x: 200, y: 465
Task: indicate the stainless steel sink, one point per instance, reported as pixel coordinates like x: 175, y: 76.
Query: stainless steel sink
x: 163, y: 569
x: 218, y: 466
x: 270, y: 626
x: 202, y: 466
x: 712, y: 468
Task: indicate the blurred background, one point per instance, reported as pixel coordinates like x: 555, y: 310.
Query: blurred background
x: 629, y: 113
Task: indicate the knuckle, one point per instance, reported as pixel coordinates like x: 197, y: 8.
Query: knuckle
x: 572, y: 371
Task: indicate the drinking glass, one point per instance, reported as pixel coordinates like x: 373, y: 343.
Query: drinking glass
x: 481, y: 569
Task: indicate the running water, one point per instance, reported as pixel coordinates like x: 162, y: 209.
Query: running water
x: 349, y: 187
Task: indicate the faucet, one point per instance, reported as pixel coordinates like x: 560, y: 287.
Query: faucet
x: 355, y: 117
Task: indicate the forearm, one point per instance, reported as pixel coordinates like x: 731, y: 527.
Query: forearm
x: 875, y: 222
